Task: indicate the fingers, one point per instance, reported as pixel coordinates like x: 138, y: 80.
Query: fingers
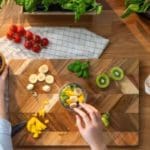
x: 83, y: 115
x: 92, y: 112
x: 79, y: 123
x: 90, y: 107
x: 4, y: 74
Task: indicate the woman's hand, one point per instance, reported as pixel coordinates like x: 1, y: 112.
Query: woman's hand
x: 3, y: 77
x: 90, y: 126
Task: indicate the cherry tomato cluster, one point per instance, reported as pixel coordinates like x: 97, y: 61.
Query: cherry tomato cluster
x: 30, y: 40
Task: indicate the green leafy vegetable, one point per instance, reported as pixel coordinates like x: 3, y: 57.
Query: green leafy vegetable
x: 85, y: 74
x: 138, y: 6
x: 64, y: 97
x: 79, y: 7
x: 80, y: 68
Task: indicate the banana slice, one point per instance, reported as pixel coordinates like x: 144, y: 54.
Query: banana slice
x: 34, y: 94
x: 43, y: 69
x: 74, y: 99
x: 77, y: 91
x: 46, y: 88
x: 33, y: 78
x: 49, y: 79
x: 30, y: 87
x: 73, y: 105
x: 41, y: 77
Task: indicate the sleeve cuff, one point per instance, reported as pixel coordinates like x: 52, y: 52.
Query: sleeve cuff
x: 5, y: 127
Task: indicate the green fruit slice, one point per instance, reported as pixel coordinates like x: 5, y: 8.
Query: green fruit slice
x: 102, y: 80
x: 106, y: 119
x: 105, y: 122
x: 116, y: 73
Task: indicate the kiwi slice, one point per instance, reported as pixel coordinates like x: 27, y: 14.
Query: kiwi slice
x: 116, y: 73
x: 102, y: 80
x: 106, y: 119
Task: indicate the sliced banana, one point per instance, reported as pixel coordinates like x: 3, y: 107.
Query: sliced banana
x: 30, y: 87
x: 77, y: 91
x: 33, y: 78
x: 41, y: 77
x: 34, y: 94
x: 43, y: 69
x: 49, y: 79
x: 74, y: 99
x: 73, y: 105
x: 46, y: 88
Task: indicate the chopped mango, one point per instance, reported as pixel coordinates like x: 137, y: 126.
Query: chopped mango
x: 81, y: 98
x: 41, y: 113
x: 35, y: 135
x: 69, y: 101
x: 35, y: 126
x: 69, y: 92
x: 46, y: 121
x: 35, y: 115
x: 46, y: 102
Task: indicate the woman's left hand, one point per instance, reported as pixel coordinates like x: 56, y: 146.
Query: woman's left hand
x: 3, y: 77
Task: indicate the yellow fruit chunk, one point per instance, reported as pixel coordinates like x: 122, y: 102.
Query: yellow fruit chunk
x: 46, y: 102
x: 42, y: 113
x: 35, y: 126
x: 69, y: 92
x: 81, y: 98
x: 69, y: 101
x: 46, y: 121
x: 35, y: 115
x: 35, y: 135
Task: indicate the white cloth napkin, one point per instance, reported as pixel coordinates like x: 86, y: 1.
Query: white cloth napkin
x: 66, y: 42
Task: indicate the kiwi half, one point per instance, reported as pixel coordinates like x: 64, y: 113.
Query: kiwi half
x: 116, y: 73
x: 102, y: 80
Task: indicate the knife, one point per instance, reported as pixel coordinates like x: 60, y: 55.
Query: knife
x: 18, y: 127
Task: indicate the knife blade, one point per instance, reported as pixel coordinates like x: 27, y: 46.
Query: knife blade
x: 18, y: 127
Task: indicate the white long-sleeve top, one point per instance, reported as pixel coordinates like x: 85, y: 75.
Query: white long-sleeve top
x: 5, y: 135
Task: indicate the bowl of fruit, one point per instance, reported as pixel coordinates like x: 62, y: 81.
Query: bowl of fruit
x: 72, y: 95
x: 2, y: 63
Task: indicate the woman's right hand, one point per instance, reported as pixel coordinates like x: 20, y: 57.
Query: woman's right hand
x: 90, y: 126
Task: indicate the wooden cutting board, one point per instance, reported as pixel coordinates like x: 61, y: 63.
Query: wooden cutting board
x: 121, y: 99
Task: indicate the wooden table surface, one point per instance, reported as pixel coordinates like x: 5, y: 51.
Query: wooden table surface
x: 129, y: 38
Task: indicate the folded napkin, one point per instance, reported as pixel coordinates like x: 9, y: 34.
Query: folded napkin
x: 66, y: 42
